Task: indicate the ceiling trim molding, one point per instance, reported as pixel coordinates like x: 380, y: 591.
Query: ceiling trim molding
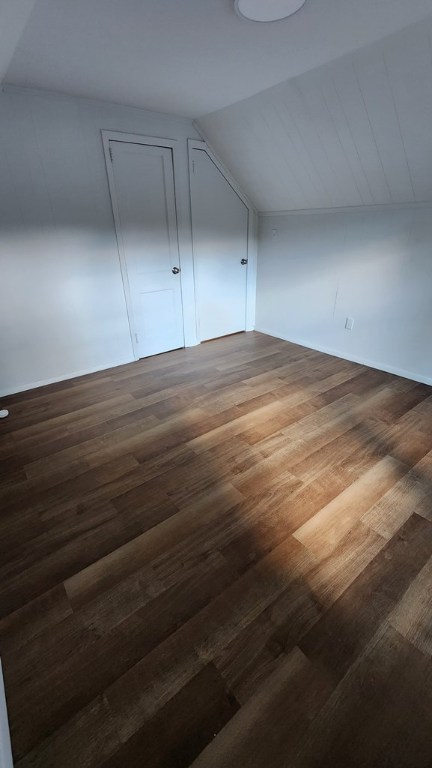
x: 348, y: 209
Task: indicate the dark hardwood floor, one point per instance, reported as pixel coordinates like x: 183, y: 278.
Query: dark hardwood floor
x: 219, y: 557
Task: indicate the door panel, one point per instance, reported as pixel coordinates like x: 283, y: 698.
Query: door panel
x: 220, y: 243
x: 147, y: 232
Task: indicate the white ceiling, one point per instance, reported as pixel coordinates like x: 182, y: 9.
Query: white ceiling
x: 357, y: 131
x: 188, y: 57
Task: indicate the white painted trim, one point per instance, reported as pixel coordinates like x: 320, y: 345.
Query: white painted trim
x: 251, y: 278
x: 65, y: 377
x: 5, y: 743
x: 137, y: 138
x: 107, y: 136
x: 154, y: 141
x: 349, y: 209
x: 361, y: 361
x: 252, y: 244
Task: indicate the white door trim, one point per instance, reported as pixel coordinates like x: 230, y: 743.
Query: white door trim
x: 202, y: 144
x: 155, y: 141
x: 252, y: 228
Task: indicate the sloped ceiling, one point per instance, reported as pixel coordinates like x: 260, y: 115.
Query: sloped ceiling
x: 354, y: 132
x: 14, y: 15
x: 189, y: 57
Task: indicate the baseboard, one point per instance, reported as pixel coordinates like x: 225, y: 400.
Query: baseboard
x: 353, y: 359
x: 64, y: 377
x: 5, y: 743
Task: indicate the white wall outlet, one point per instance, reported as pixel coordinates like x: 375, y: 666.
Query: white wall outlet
x: 349, y: 323
x: 274, y: 233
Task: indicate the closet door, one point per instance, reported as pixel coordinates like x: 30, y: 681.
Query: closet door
x: 220, y: 246
x: 146, y: 225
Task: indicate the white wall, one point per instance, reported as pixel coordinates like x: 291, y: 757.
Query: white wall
x: 374, y: 265
x: 62, y: 306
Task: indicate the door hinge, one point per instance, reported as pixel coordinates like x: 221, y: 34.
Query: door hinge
x: 110, y: 153
x: 136, y: 338
x: 193, y: 166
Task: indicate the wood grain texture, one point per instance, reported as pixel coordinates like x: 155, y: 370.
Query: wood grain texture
x: 219, y: 557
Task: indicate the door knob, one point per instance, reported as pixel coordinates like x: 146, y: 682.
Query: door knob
x: 244, y: 261
x: 175, y: 270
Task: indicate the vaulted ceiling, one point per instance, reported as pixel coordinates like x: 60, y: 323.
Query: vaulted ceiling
x: 331, y: 107
x: 357, y: 131
x: 188, y: 57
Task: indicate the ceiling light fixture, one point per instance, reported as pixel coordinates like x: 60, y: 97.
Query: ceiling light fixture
x: 267, y: 10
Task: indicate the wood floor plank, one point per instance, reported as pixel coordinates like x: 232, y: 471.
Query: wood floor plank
x: 68, y: 687
x: 220, y: 556
x: 261, y: 647
x: 85, y: 740
x: 261, y: 733
x: 335, y: 572
x: 350, y: 622
x: 365, y: 721
x: 412, y: 615
x: 324, y: 530
x: 21, y: 626
x: 182, y: 728
x: 410, y: 494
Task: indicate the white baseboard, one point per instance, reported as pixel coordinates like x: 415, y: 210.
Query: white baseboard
x: 64, y: 377
x: 5, y: 743
x: 353, y: 359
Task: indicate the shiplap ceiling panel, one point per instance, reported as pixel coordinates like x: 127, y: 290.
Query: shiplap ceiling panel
x: 410, y: 66
x: 347, y: 141
x: 346, y: 80
x: 377, y: 94
x: 357, y: 131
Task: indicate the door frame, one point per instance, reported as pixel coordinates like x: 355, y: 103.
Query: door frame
x: 251, y: 234
x: 152, y: 141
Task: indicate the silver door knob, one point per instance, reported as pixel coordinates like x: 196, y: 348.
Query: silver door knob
x: 175, y: 270
x: 244, y: 261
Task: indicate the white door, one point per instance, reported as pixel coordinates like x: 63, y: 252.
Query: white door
x: 146, y: 225
x: 220, y: 245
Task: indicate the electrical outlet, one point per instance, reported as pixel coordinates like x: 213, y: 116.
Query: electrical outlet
x: 349, y: 323
x: 274, y: 233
